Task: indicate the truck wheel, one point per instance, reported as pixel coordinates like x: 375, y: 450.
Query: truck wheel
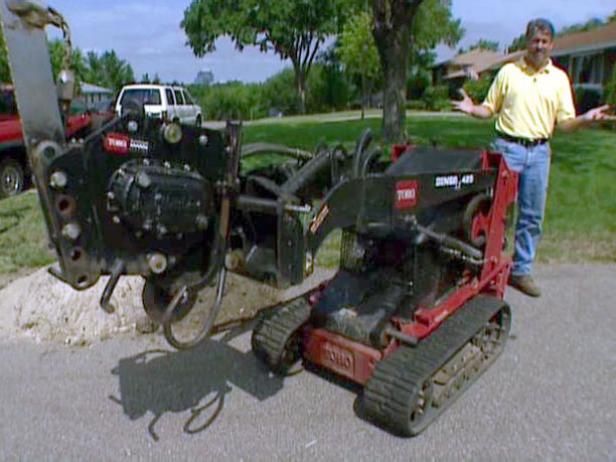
x: 11, y: 177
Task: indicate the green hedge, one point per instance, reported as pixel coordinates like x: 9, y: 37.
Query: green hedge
x: 478, y: 89
x: 586, y: 99
x: 436, y: 98
x: 610, y: 88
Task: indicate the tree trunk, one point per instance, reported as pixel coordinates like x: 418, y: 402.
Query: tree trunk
x: 300, y: 85
x: 391, y: 31
x: 394, y: 95
x: 363, y: 95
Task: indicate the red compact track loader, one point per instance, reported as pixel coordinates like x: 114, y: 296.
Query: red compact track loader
x: 415, y: 312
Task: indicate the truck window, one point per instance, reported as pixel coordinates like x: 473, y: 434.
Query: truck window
x: 170, y: 98
x: 188, y: 98
x: 178, y: 96
x: 141, y: 95
x: 7, y: 103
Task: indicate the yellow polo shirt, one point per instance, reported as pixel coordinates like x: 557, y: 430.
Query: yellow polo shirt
x: 527, y: 102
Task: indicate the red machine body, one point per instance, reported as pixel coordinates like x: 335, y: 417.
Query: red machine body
x: 357, y: 361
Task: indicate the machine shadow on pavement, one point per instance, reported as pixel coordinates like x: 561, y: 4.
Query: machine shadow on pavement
x: 197, y: 380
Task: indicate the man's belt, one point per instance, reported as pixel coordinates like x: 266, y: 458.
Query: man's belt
x: 523, y: 141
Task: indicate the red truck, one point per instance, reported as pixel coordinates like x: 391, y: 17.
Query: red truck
x: 14, y: 169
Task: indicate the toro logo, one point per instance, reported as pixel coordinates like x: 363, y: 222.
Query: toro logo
x: 116, y: 143
x: 407, y: 193
x: 337, y: 357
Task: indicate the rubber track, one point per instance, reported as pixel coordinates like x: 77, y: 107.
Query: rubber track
x: 391, y: 393
x: 272, y: 333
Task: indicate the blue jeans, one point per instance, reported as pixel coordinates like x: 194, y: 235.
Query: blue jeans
x: 533, y: 165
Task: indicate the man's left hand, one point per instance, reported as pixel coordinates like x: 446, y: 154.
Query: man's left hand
x: 598, y: 114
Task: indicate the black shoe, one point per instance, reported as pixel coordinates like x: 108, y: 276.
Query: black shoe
x: 525, y: 284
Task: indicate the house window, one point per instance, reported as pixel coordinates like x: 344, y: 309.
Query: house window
x: 587, y: 69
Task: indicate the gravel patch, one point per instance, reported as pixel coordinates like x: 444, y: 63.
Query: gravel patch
x: 45, y: 309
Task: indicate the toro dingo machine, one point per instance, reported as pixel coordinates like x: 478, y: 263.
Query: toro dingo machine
x: 415, y: 313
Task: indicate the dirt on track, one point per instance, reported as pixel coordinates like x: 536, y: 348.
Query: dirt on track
x: 41, y: 307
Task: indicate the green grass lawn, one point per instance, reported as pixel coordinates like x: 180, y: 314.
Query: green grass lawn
x: 581, y: 216
x: 23, y: 235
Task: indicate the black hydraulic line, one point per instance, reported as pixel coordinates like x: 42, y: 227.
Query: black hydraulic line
x: 116, y: 271
x: 306, y: 174
x: 366, y: 158
x: 216, y: 263
x: 253, y: 149
x: 208, y: 323
x: 362, y: 145
x: 256, y: 204
x: 450, y: 241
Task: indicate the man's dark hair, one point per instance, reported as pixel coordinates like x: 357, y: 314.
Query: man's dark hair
x: 539, y: 24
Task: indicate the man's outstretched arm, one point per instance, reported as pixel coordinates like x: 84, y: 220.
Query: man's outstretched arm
x: 467, y: 106
x: 594, y: 115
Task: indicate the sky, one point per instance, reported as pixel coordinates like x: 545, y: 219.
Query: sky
x: 147, y: 33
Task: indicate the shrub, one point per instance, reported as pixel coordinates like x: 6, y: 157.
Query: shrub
x: 478, y: 89
x: 610, y: 88
x: 442, y: 105
x: 233, y: 100
x: 436, y: 98
x: 416, y: 86
x: 279, y: 92
x: 586, y: 98
x: 327, y: 89
x: 416, y: 105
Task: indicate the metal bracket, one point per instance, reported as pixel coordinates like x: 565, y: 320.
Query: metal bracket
x: 37, y: 16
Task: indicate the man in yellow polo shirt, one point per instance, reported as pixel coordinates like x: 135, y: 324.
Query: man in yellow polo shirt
x: 529, y: 98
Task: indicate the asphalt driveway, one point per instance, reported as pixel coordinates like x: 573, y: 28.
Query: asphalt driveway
x: 550, y: 396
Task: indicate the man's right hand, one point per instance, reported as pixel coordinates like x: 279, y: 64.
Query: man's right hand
x: 468, y: 107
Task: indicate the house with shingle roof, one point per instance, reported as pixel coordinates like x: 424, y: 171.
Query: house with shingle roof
x: 91, y: 94
x: 588, y: 57
x: 469, y: 65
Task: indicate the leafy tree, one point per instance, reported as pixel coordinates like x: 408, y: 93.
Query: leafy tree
x: 483, y: 44
x: 358, y: 52
x: 434, y: 24
x: 115, y: 71
x: 403, y: 28
x: 328, y: 88
x: 610, y: 89
x: 331, y: 85
x: 106, y: 70
x: 5, y: 72
x: 232, y: 100
x: 57, y: 51
x: 518, y: 43
x: 393, y: 20
x: 581, y: 27
x: 294, y: 30
x: 279, y: 93
x: 478, y: 89
x: 95, y: 68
